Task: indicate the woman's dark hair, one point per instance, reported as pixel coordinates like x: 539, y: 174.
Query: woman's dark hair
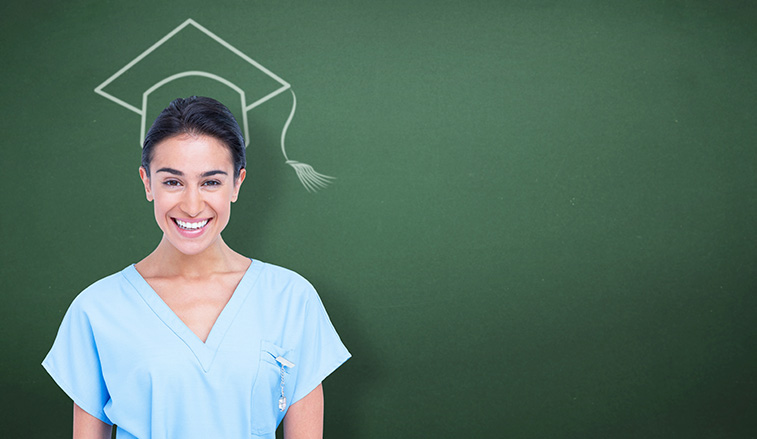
x: 196, y: 116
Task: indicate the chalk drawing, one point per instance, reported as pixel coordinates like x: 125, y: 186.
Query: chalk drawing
x: 310, y: 179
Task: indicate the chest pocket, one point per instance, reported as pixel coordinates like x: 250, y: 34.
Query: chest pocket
x: 273, y: 367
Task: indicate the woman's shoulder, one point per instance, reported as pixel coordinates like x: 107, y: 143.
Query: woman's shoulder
x: 280, y: 279
x: 104, y: 291
x: 280, y: 273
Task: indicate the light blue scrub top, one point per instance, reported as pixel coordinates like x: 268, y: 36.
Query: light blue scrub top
x: 124, y: 357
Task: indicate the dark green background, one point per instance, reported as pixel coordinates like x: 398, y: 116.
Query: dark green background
x: 543, y: 223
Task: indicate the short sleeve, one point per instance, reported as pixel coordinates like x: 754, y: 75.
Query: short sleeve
x: 321, y: 351
x: 74, y: 363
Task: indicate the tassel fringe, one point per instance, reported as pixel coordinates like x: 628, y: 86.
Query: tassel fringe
x: 309, y: 178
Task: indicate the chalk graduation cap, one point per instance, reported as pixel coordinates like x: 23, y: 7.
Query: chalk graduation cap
x: 191, y: 50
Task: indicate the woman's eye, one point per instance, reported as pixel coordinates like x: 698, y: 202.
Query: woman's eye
x: 171, y: 183
x: 212, y: 183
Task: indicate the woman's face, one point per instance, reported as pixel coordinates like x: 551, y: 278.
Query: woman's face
x: 192, y: 186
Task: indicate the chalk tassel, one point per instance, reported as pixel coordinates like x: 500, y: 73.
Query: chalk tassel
x: 312, y: 180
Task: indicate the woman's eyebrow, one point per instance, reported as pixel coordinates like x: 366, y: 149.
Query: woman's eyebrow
x: 181, y: 174
x: 170, y: 171
x: 214, y: 172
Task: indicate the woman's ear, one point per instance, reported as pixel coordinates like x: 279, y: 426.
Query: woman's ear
x: 145, y: 176
x: 238, y: 184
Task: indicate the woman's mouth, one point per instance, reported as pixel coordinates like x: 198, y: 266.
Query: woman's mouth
x: 190, y: 225
x: 191, y: 229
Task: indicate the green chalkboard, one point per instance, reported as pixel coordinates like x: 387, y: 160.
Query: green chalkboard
x: 541, y: 221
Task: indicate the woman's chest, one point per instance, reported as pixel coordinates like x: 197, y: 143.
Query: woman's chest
x: 196, y: 304
x: 174, y: 374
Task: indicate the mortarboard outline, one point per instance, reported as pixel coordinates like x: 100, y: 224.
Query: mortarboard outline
x: 309, y: 178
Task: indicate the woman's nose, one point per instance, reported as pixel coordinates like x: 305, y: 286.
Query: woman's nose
x: 192, y: 203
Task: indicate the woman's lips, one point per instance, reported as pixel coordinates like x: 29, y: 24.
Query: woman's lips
x: 191, y: 228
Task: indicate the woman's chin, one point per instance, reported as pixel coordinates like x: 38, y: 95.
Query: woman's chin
x: 189, y: 246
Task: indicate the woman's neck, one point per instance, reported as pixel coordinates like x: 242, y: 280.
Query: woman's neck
x: 167, y: 261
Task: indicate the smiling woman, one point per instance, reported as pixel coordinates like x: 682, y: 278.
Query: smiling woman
x: 192, y: 189
x: 196, y: 340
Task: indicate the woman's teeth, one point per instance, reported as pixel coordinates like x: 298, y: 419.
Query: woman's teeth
x: 191, y: 226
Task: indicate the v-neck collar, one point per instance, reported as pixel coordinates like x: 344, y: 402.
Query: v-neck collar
x: 205, y: 352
